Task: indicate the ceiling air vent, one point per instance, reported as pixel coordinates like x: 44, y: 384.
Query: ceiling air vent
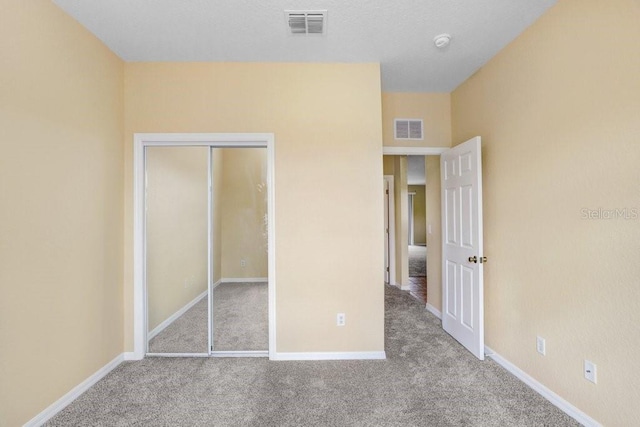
x: 408, y: 129
x: 306, y: 22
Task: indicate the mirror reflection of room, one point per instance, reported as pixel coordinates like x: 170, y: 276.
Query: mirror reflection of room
x: 240, y: 289
x: 180, y: 275
x: 176, y: 249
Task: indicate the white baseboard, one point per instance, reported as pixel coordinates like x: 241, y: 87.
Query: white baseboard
x: 75, y: 392
x: 169, y: 320
x: 177, y: 355
x: 431, y: 309
x: 250, y: 353
x: 327, y: 355
x: 244, y: 280
x: 131, y: 355
x: 405, y: 287
x: 558, y: 401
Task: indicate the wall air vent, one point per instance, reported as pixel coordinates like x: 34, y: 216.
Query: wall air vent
x: 408, y: 129
x: 306, y: 22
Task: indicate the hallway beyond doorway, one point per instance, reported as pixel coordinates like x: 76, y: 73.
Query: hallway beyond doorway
x: 418, y: 288
x: 418, y: 272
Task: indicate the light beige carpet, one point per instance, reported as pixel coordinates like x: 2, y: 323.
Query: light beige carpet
x: 417, y: 261
x: 240, y: 317
x: 428, y: 379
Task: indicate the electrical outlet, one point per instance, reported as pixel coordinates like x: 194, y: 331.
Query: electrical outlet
x: 590, y: 372
x: 541, y: 346
x: 340, y: 319
x: 243, y: 263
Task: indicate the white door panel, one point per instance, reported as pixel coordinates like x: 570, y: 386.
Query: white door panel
x: 462, y: 253
x: 450, y: 291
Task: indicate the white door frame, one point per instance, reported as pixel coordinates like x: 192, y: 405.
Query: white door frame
x: 413, y: 151
x: 237, y: 140
x: 389, y: 179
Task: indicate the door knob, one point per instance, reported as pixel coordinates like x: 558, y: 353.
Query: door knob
x: 483, y: 259
x: 473, y: 259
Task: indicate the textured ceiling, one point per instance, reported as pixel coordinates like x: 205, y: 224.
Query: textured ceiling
x: 397, y: 34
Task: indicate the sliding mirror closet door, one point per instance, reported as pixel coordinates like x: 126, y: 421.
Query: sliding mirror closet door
x: 176, y: 246
x: 239, y: 250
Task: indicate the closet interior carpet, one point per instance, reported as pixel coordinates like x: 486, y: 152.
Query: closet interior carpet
x: 240, y: 322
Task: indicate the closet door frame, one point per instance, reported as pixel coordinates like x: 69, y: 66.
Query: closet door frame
x: 211, y: 140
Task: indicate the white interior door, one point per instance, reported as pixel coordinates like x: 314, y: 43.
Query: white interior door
x: 462, y: 252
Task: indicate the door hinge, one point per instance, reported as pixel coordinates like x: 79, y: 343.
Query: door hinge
x: 387, y: 269
x: 386, y: 230
x: 387, y: 191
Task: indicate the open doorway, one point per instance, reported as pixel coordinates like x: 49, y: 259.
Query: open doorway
x: 415, y: 231
x: 416, y: 227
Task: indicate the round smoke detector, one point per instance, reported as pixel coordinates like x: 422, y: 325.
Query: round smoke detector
x: 441, y: 41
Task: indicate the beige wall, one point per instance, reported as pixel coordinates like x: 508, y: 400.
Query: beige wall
x: 388, y: 165
x: 400, y: 196
x: 216, y: 213
x: 434, y: 239
x: 61, y: 217
x: 244, y: 209
x: 177, y: 209
x: 559, y: 113
x: 419, y: 214
x: 433, y: 108
x: 317, y: 146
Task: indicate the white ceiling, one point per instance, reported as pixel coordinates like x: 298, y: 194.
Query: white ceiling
x: 397, y: 34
